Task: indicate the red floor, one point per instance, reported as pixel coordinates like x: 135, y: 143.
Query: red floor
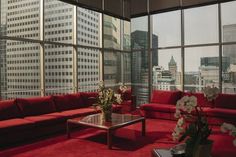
x: 127, y: 143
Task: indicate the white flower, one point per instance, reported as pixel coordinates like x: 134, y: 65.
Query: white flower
x: 118, y: 98
x: 231, y: 128
x: 180, y: 122
x: 210, y: 92
x: 234, y: 142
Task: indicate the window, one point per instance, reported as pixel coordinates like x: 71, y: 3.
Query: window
x: 201, y: 25
x: 166, y: 29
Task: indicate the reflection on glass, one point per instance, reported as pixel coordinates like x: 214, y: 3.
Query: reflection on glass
x: 58, y: 20
x: 167, y: 27
x: 140, y: 76
x: 228, y: 21
x: 126, y: 36
x: 88, y: 69
x: 112, y: 32
x: 127, y: 68
x: 201, y: 68
x: 139, y: 32
x: 201, y: 25
x: 112, y: 68
x: 167, y: 73
x: 88, y: 27
x: 58, y: 69
x: 229, y: 69
x: 20, y: 69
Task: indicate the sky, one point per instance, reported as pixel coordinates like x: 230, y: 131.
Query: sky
x: 201, y: 27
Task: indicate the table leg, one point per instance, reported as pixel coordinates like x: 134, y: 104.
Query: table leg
x: 143, y: 127
x: 109, y: 139
x: 68, y: 129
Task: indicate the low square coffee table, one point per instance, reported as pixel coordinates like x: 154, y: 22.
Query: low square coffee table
x: 118, y: 121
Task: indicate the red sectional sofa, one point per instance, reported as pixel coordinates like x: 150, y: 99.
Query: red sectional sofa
x: 162, y: 105
x: 24, y: 118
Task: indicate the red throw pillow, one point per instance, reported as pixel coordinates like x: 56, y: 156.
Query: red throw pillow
x: 9, y: 109
x: 165, y: 97
x: 90, y: 98
x: 36, y: 106
x: 68, y: 101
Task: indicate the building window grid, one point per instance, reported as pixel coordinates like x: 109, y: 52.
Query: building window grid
x: 43, y: 43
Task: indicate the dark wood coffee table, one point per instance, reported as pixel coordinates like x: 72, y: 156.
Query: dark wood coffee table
x: 118, y: 121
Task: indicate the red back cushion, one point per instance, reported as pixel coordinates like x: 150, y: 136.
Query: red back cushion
x: 69, y: 101
x: 127, y: 95
x: 165, y: 97
x: 36, y: 106
x: 226, y: 101
x: 201, y: 99
x: 90, y: 98
x: 9, y: 109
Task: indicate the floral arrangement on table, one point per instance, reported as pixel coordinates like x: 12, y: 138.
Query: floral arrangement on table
x: 192, y: 125
x: 211, y: 93
x: 123, y: 88
x: 106, y: 97
x: 226, y: 127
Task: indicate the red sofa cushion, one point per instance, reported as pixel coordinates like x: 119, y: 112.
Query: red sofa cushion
x: 220, y: 112
x: 158, y: 107
x: 45, y: 120
x: 36, y: 106
x: 69, y: 101
x: 201, y: 99
x: 165, y: 97
x: 226, y: 101
x: 77, y: 112
x: 9, y: 109
x: 90, y: 98
x: 15, y: 125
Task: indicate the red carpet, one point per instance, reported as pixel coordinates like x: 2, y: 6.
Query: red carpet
x: 128, y: 142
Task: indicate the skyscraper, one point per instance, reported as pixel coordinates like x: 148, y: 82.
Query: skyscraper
x: 23, y: 58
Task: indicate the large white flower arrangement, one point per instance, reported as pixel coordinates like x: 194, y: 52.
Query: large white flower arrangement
x: 192, y: 126
x: 226, y: 127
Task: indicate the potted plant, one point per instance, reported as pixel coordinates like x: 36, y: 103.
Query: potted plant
x: 192, y: 126
x: 226, y: 127
x: 106, y: 97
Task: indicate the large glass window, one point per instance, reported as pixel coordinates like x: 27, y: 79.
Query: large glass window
x: 201, y: 25
x: 58, y: 69
x: 126, y: 36
x: 112, y: 68
x: 21, y: 18
x: 167, y: 73
x: 228, y: 21
x: 166, y: 29
x: 201, y: 68
x: 139, y: 33
x: 88, y: 69
x: 126, y: 63
x: 20, y: 69
x: 88, y: 27
x: 140, y: 76
x: 112, y: 32
x: 229, y: 69
x: 58, y: 21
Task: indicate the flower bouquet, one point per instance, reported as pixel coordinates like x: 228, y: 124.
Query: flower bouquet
x: 106, y: 97
x: 192, y: 126
x: 226, y: 127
